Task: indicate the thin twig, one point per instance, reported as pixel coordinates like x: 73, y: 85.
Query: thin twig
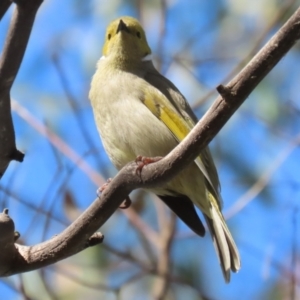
x: 162, y: 283
x: 263, y: 180
x: 294, y: 254
x: 58, y: 142
x: 281, y: 12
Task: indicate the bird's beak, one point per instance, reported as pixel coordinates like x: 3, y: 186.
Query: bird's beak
x: 122, y: 27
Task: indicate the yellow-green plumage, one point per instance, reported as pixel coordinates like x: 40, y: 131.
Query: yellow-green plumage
x: 140, y: 112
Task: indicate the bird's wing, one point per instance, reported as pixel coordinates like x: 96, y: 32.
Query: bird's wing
x: 167, y: 103
x: 179, y: 118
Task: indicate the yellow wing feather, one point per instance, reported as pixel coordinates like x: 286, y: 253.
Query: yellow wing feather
x: 159, y: 105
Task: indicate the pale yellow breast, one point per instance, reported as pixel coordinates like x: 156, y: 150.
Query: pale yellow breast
x: 126, y: 126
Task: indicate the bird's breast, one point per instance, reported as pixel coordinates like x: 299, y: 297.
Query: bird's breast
x: 126, y: 126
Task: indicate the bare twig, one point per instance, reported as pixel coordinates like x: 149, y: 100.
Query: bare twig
x: 149, y: 268
x: 162, y: 32
x: 162, y: 283
x: 282, y: 11
x: 31, y: 206
x: 22, y: 289
x: 262, y: 181
x: 141, y: 226
x: 294, y: 254
x: 58, y: 142
x: 47, y: 285
x: 67, y: 273
x: 73, y: 103
x: 277, y: 265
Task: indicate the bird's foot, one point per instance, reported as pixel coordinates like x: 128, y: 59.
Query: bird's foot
x: 143, y: 161
x: 125, y: 204
x: 103, y: 187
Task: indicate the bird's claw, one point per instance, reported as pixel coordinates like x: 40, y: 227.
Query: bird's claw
x: 143, y: 161
x: 103, y: 187
x: 126, y: 203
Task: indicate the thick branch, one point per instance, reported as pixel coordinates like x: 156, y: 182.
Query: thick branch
x: 7, y: 240
x: 4, y: 5
x: 75, y: 237
x: 10, y: 61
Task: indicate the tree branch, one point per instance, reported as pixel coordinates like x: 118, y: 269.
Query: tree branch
x: 10, y: 61
x: 76, y: 237
x: 162, y: 282
x: 4, y: 5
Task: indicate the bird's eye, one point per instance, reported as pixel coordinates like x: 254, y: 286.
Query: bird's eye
x: 138, y: 34
x: 109, y: 36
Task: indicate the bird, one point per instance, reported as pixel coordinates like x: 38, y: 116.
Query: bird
x: 140, y: 113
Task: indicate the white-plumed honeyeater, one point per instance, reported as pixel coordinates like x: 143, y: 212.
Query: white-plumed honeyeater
x: 139, y: 112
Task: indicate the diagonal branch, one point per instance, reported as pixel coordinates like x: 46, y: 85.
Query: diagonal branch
x: 76, y: 237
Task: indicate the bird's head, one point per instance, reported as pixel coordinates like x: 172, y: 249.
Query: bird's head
x: 125, y: 39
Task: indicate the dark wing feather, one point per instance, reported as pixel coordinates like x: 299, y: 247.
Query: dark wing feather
x: 184, y: 208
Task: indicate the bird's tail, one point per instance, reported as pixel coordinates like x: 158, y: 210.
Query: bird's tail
x: 224, y: 244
